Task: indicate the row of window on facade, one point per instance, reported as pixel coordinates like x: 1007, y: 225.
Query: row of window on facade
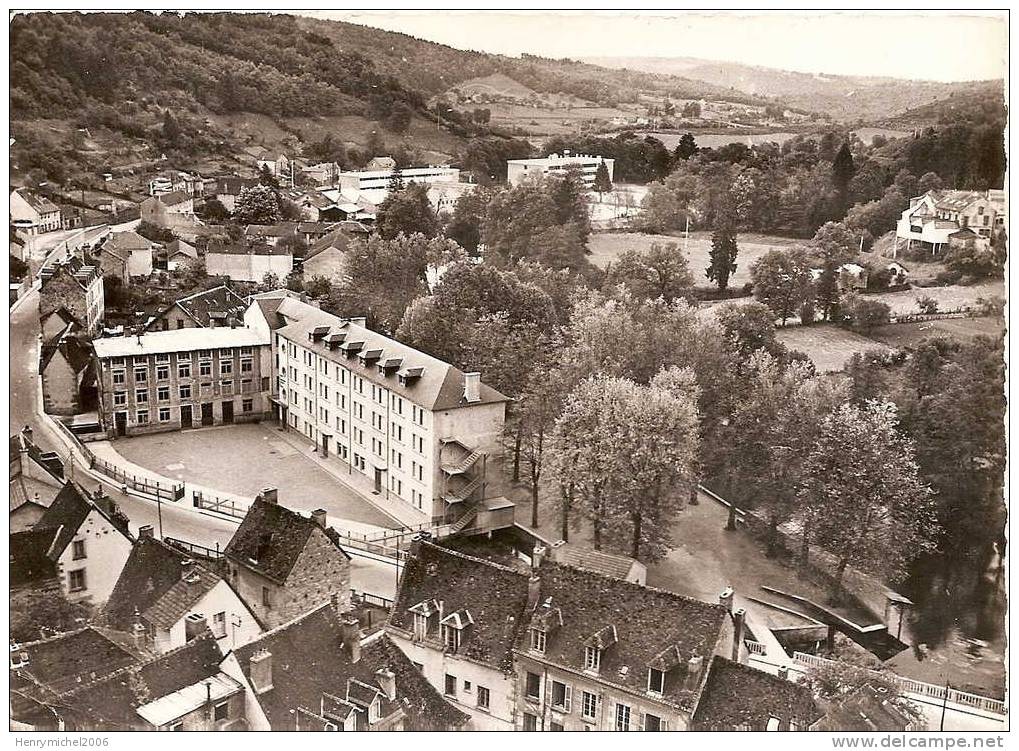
x: 142, y: 416
x: 141, y: 372
x: 184, y: 391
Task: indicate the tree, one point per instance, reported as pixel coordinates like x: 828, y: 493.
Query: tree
x: 866, y: 315
x: 398, y: 119
x: 782, y: 281
x: 670, y: 204
x: 748, y: 328
x: 929, y: 181
x: 407, y: 211
x: 464, y: 225
x: 269, y: 282
x: 686, y: 148
x: 318, y: 286
x: 864, y: 499
x: 657, y: 271
x: 267, y: 178
x: 258, y: 204
x: 171, y: 131
x: 692, y: 109
x: 723, y: 252
x: 602, y: 183
x: 842, y: 171
x: 833, y: 245
x: 37, y: 614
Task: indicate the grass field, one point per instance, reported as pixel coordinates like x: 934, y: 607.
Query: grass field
x: 903, y: 334
x: 828, y: 346
x: 604, y: 247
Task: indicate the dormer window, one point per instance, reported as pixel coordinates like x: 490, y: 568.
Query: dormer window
x: 451, y: 638
x: 592, y: 658
x: 655, y: 681
x: 420, y: 626
x: 454, y: 627
x: 537, y: 640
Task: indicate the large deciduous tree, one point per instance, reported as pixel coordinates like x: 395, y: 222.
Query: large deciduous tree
x: 258, y: 204
x: 409, y: 211
x: 782, y: 281
x: 658, y: 271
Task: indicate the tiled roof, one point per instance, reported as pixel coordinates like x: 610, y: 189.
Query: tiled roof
x: 232, y: 186
x: 738, y: 695
x: 201, y: 305
x: 243, y: 250
x: 76, y: 351
x: 496, y: 595
x: 285, y: 229
x: 173, y: 198
x: 439, y: 387
x: 114, y: 700
x: 606, y: 564
x: 62, y: 663
x: 646, y: 622
x: 30, y: 564
x: 308, y: 661
x: 866, y: 709
x: 126, y: 241
x: 152, y: 584
x: 339, y: 238
x: 64, y: 516
x: 179, y: 247
x: 270, y: 539
x: 38, y: 203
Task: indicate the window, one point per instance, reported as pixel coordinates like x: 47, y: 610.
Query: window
x: 450, y: 689
x: 183, y: 369
x: 165, y: 357
x: 141, y: 375
x: 118, y: 377
x: 562, y: 696
x: 266, y: 597
x: 537, y: 640
x: 143, y: 417
x: 205, y: 368
x: 530, y: 722
x: 76, y: 580
x: 226, y: 367
x: 655, y: 681
x: 205, y: 354
x: 653, y: 723
x: 219, y: 624
x: 589, y: 706
x: 78, y: 550
x: 483, y: 697
x: 592, y: 658
x: 163, y: 393
x: 555, y: 727
x: 622, y: 717
x: 451, y: 638
x: 162, y: 372
x: 164, y: 414
x: 119, y: 398
x: 467, y: 687
x: 228, y: 387
x: 185, y: 391
x: 221, y: 711
x: 141, y: 395
x: 533, y: 686
x: 247, y: 405
x: 420, y: 626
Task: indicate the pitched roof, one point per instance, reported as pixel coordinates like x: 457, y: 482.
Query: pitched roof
x: 177, y: 340
x: 39, y: 203
x: 76, y: 351
x: 232, y: 186
x: 172, y: 198
x: 496, y: 596
x: 590, y: 604
x: 30, y: 564
x: 865, y: 710
x: 179, y: 247
x: 126, y: 242
x: 271, y: 537
x: 154, y: 584
x: 116, y: 698
x: 283, y: 229
x: 63, y: 662
x: 64, y: 516
x: 201, y: 305
x: 440, y: 386
x: 308, y: 662
x: 243, y: 250
x: 737, y: 695
x: 339, y: 238
x: 606, y: 564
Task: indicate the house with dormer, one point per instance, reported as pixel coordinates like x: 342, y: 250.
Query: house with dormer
x: 283, y: 563
x: 317, y: 673
x: 165, y: 598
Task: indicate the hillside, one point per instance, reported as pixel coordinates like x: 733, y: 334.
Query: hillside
x: 843, y: 98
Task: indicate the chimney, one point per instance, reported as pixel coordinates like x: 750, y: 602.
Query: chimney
x: 387, y: 682
x: 27, y: 432
x: 319, y: 517
x: 350, y: 632
x: 138, y: 632
x: 537, y: 557
x: 739, y: 617
x: 472, y: 387
x: 533, y: 591
x: 194, y: 626
x: 187, y: 569
x: 260, y: 671
x: 270, y: 495
x: 725, y: 598
x: 693, y: 671
x: 415, y: 544
x: 145, y: 532
x: 783, y: 672
x: 362, y: 321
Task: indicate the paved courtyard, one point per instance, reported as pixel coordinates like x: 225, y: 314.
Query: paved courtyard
x: 243, y: 459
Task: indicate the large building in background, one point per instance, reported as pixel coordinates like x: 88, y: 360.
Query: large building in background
x: 519, y: 170
x: 941, y: 218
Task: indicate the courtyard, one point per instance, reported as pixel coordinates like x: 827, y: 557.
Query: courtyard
x: 243, y: 459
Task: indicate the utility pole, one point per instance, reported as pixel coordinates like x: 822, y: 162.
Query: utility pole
x: 686, y: 236
x: 944, y: 704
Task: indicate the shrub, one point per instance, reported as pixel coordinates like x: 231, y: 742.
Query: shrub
x: 927, y: 304
x: 866, y: 314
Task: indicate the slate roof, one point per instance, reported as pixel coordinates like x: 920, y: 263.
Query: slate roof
x: 339, y: 238
x: 495, y: 594
x: 606, y: 564
x: 152, y: 583
x: 63, y: 662
x: 39, y: 203
x: 201, y: 305
x: 646, y: 622
x: 114, y: 699
x: 172, y: 198
x: 308, y: 662
x: 270, y: 539
x: 439, y: 387
x: 284, y: 229
x: 126, y: 241
x: 30, y: 564
x: 737, y: 695
x: 64, y: 516
x: 76, y: 351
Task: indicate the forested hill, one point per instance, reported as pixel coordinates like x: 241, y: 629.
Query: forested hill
x: 273, y: 64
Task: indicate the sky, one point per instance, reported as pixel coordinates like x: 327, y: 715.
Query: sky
x: 934, y: 46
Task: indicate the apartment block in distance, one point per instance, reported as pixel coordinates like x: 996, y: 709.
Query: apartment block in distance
x: 518, y: 170
x: 417, y: 428
x: 185, y: 378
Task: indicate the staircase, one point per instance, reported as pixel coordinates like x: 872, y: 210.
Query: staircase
x: 461, y: 466
x: 464, y: 521
x: 462, y: 494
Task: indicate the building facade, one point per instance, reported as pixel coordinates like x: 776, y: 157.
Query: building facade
x: 169, y: 209
x: 186, y: 378
x: 33, y: 214
x: 249, y: 264
x: 933, y: 218
x: 518, y: 170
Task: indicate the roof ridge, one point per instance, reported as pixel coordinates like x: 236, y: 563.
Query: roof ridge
x: 283, y: 626
x: 464, y: 556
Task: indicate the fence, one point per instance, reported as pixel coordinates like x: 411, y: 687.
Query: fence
x: 365, y: 543
x: 369, y: 599
x: 929, y: 690
x: 193, y: 548
x: 940, y: 315
x: 227, y: 506
x: 755, y: 647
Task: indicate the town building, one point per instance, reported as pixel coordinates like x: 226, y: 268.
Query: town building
x: 607, y: 564
x: 219, y: 306
x: 934, y: 218
x: 126, y: 255
x: 327, y: 257
x: 88, y: 540
x: 228, y: 188
x: 586, y: 165
x: 270, y: 234
x: 419, y: 429
x: 179, y: 253
x: 282, y: 563
x: 164, y: 598
x: 67, y: 370
x: 868, y: 709
x: 323, y: 173
x: 370, y: 180
x: 278, y: 166
x: 169, y: 210
x: 739, y: 697
x: 33, y: 214
x: 31, y: 570
x: 183, y: 182
x: 179, y: 379
x: 35, y: 478
x: 243, y: 263
x: 315, y: 673
x: 76, y: 287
